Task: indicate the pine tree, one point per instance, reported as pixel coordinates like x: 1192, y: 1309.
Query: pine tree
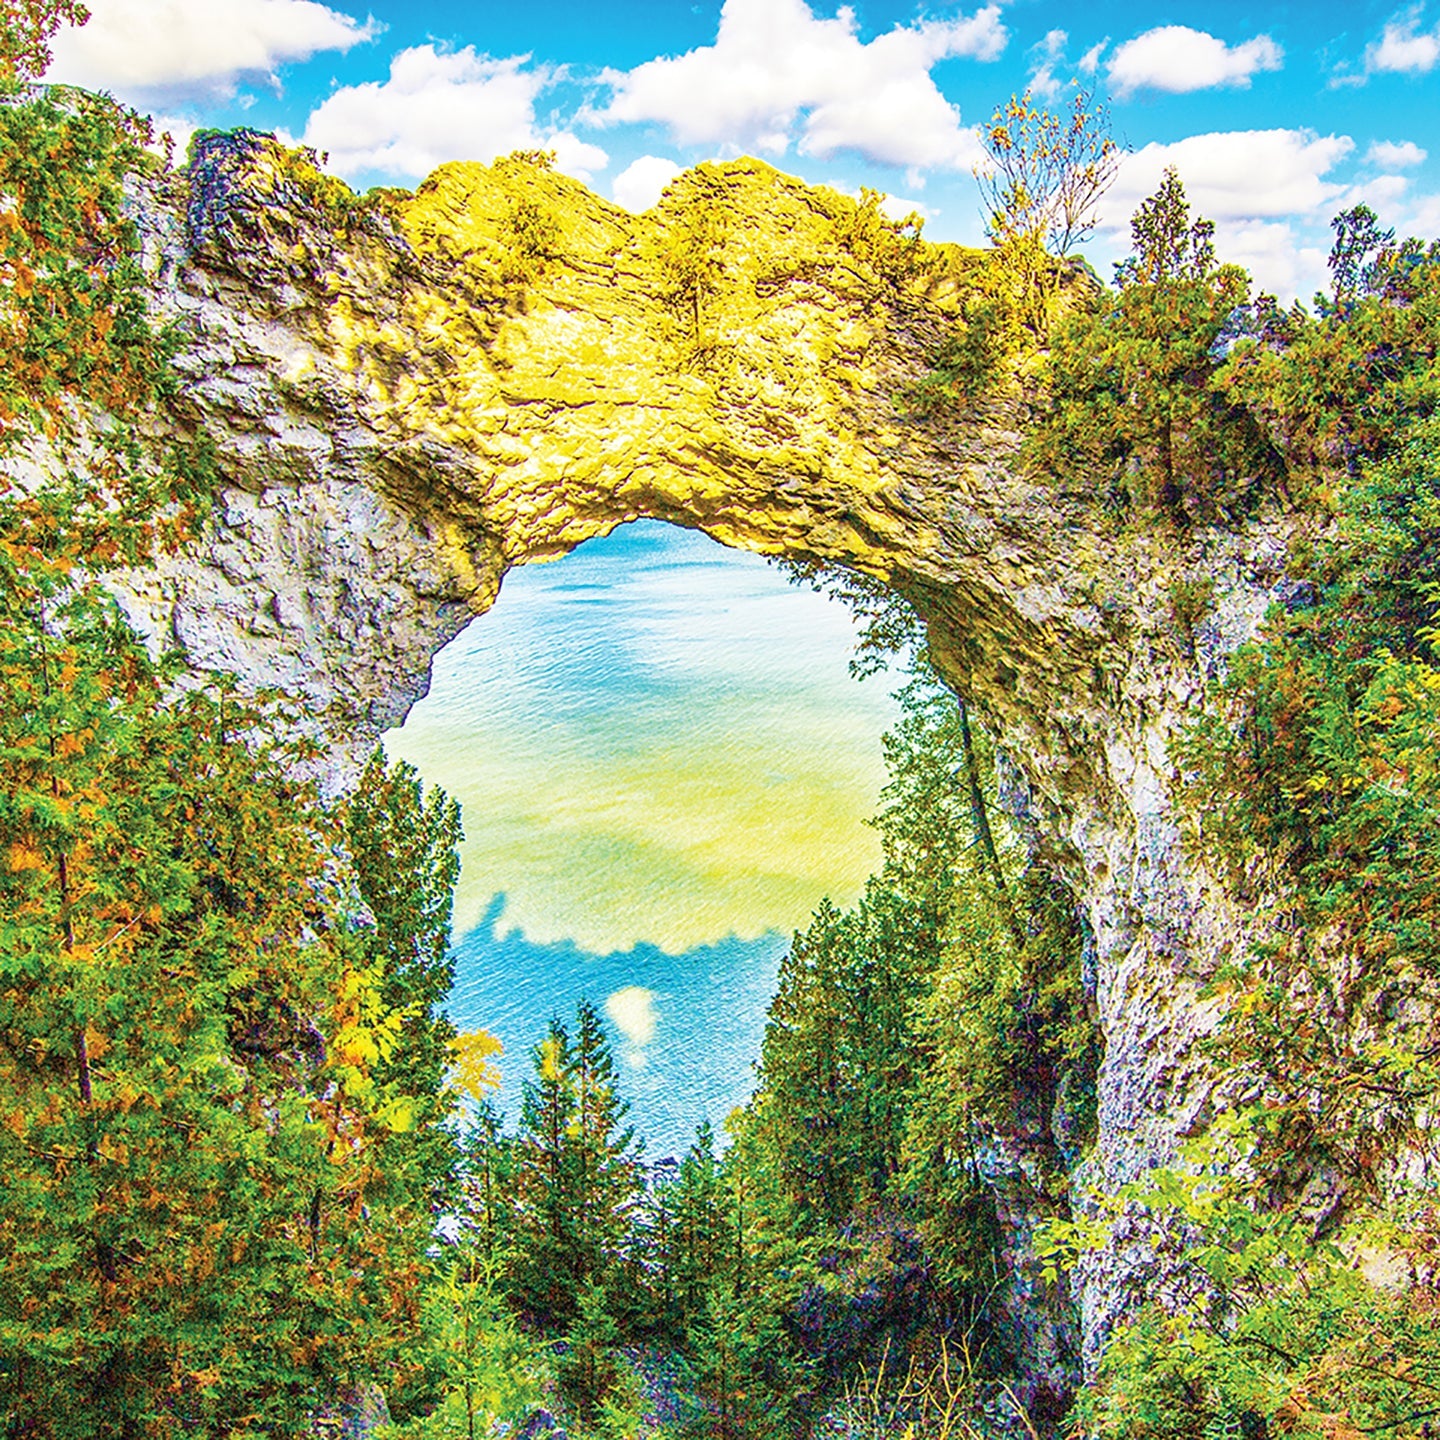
x: 1131, y: 391
x: 697, y: 1251
x: 544, y: 1269
x: 404, y: 846
x: 607, y: 1163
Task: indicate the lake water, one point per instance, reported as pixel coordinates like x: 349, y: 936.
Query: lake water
x: 664, y: 765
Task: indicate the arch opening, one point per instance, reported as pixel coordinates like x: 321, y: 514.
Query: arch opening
x: 664, y: 765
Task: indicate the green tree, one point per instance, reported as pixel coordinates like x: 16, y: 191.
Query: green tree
x: 1166, y: 244
x: 606, y: 1161
x: 404, y: 847
x: 696, y: 1252
x: 26, y: 28
x: 195, y: 1210
x: 589, y: 1369
x: 1133, y: 392
x: 545, y: 1218
x: 1359, y: 242
x: 576, y: 1173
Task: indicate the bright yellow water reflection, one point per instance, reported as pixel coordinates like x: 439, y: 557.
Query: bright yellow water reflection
x: 654, y: 739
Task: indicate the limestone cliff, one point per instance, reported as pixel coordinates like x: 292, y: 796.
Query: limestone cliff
x: 412, y: 393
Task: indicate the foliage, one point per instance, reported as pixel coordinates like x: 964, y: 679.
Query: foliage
x: 1042, y: 183
x: 187, y: 1037
x: 1134, y: 401
x: 1358, y: 237
x: 1266, y: 1327
x: 1177, y: 393
x: 404, y: 849
x: 74, y: 335
x: 1296, y: 1286
x: 934, y: 1398
x: 1047, y: 172
x: 26, y: 28
x: 493, y: 1373
x: 691, y: 260
x: 576, y: 1175
x: 889, y: 252
x: 1166, y: 244
x: 1042, y: 180
x: 198, y: 1120
x: 1334, y: 390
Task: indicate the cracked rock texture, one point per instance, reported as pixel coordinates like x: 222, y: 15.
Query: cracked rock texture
x: 412, y: 393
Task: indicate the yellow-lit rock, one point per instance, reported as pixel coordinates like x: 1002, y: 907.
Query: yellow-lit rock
x: 413, y: 392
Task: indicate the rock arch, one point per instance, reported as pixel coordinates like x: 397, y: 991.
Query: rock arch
x: 412, y: 394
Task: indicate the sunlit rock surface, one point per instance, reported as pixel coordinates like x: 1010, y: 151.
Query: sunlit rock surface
x: 413, y: 393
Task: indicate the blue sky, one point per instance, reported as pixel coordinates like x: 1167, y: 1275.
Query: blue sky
x: 1276, y: 116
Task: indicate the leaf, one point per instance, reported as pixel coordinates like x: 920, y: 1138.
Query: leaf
x: 472, y: 1072
x: 24, y: 855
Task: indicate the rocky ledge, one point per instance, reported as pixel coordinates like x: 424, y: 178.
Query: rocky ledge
x: 410, y: 393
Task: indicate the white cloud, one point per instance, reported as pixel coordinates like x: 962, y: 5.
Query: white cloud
x: 177, y: 128
x: 632, y: 1011
x: 1089, y: 62
x: 1400, y: 50
x: 1266, y: 191
x: 779, y: 75
x: 1236, y: 174
x: 179, y: 49
x: 1276, y: 255
x: 1047, y: 54
x: 1424, y: 217
x: 639, y: 185
x: 897, y: 209
x: 442, y: 105
x: 1384, y: 194
x: 1395, y: 154
x: 1177, y: 59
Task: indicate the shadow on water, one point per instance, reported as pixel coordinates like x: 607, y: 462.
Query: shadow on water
x: 686, y: 1028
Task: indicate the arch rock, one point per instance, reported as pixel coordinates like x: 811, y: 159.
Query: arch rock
x: 411, y: 393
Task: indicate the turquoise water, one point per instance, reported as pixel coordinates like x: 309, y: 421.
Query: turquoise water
x: 689, y: 1029
x: 664, y: 765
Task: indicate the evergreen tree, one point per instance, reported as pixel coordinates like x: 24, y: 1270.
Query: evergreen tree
x: 697, y: 1252
x: 404, y: 845
x: 606, y: 1162
x: 544, y: 1274
x: 489, y: 1169
x: 588, y: 1368
x: 195, y: 1208
x: 1131, y: 378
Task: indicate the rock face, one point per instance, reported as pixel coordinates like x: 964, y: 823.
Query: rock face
x: 411, y: 394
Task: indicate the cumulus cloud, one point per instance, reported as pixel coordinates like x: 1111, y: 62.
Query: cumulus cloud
x: 1382, y: 193
x: 633, y: 1012
x: 1236, y: 174
x: 897, y: 209
x: 640, y: 184
x: 1177, y: 59
x: 1396, y: 154
x: 779, y: 75
x: 1424, y: 216
x: 443, y: 105
x: 1266, y: 190
x: 1089, y: 62
x: 178, y: 128
x: 1277, y: 256
x: 177, y: 50
x: 1047, y: 55
x: 1403, y: 48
